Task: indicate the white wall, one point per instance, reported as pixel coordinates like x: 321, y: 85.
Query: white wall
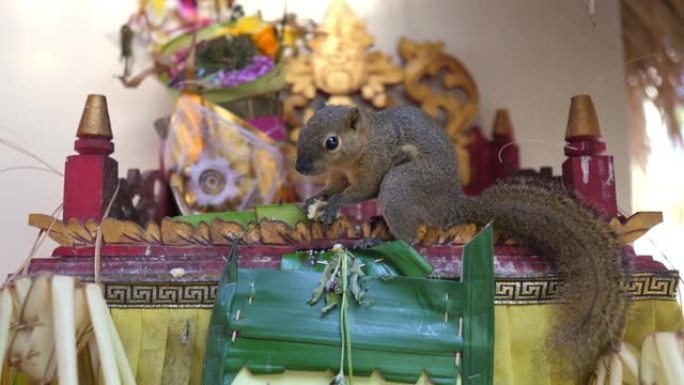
x: 530, y: 56
x: 53, y: 54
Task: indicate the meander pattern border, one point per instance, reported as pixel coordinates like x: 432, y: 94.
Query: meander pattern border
x: 510, y: 291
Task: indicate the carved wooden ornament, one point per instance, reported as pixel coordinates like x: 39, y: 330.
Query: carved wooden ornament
x: 272, y: 232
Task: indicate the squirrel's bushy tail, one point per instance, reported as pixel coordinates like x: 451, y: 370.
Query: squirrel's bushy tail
x: 585, y: 252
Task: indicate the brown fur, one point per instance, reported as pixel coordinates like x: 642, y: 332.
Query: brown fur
x: 586, y: 254
x: 402, y: 157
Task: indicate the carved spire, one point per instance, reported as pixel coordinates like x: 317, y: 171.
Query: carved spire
x: 587, y: 171
x: 502, y: 123
x: 91, y: 176
x: 582, y: 120
x: 95, y: 118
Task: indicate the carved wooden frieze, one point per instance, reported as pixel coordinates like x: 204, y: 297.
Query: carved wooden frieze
x: 267, y: 232
x: 172, y: 232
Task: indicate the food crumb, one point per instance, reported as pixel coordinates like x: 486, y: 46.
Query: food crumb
x: 314, y: 209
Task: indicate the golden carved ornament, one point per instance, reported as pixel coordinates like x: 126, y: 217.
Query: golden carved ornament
x: 339, y: 61
x: 636, y: 226
x: 272, y: 232
x: 340, y: 65
x: 267, y: 232
x: 126, y: 232
x: 428, y: 60
x: 72, y: 233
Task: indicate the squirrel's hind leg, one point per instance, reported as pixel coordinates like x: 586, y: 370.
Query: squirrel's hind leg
x: 410, y: 197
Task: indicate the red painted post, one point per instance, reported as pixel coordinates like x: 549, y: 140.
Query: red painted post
x: 90, y: 177
x: 480, y: 157
x: 587, y: 171
x: 505, y: 152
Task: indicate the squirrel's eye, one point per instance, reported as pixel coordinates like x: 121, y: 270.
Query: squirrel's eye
x: 331, y: 143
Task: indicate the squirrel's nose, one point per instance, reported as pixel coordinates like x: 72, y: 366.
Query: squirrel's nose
x: 304, y: 165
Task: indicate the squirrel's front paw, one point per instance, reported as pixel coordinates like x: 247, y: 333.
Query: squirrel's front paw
x: 329, y: 215
x: 311, y: 201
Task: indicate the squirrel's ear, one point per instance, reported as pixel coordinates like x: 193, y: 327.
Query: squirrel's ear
x: 353, y: 117
x: 317, y: 104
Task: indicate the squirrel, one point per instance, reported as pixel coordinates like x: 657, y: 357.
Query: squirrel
x: 401, y: 156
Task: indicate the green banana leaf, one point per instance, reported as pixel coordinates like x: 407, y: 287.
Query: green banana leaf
x: 288, y: 213
x: 405, y: 326
x: 281, y: 331
x: 386, y: 259
x: 478, y: 316
x: 185, y: 40
x: 243, y: 218
x: 215, y: 352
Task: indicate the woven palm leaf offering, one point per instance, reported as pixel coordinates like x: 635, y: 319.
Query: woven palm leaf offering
x: 215, y: 51
x: 343, y: 315
x: 56, y: 327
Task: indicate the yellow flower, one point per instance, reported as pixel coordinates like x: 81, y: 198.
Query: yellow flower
x: 248, y: 25
x: 290, y: 35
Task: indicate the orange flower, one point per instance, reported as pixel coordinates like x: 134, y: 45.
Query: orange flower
x: 267, y: 41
